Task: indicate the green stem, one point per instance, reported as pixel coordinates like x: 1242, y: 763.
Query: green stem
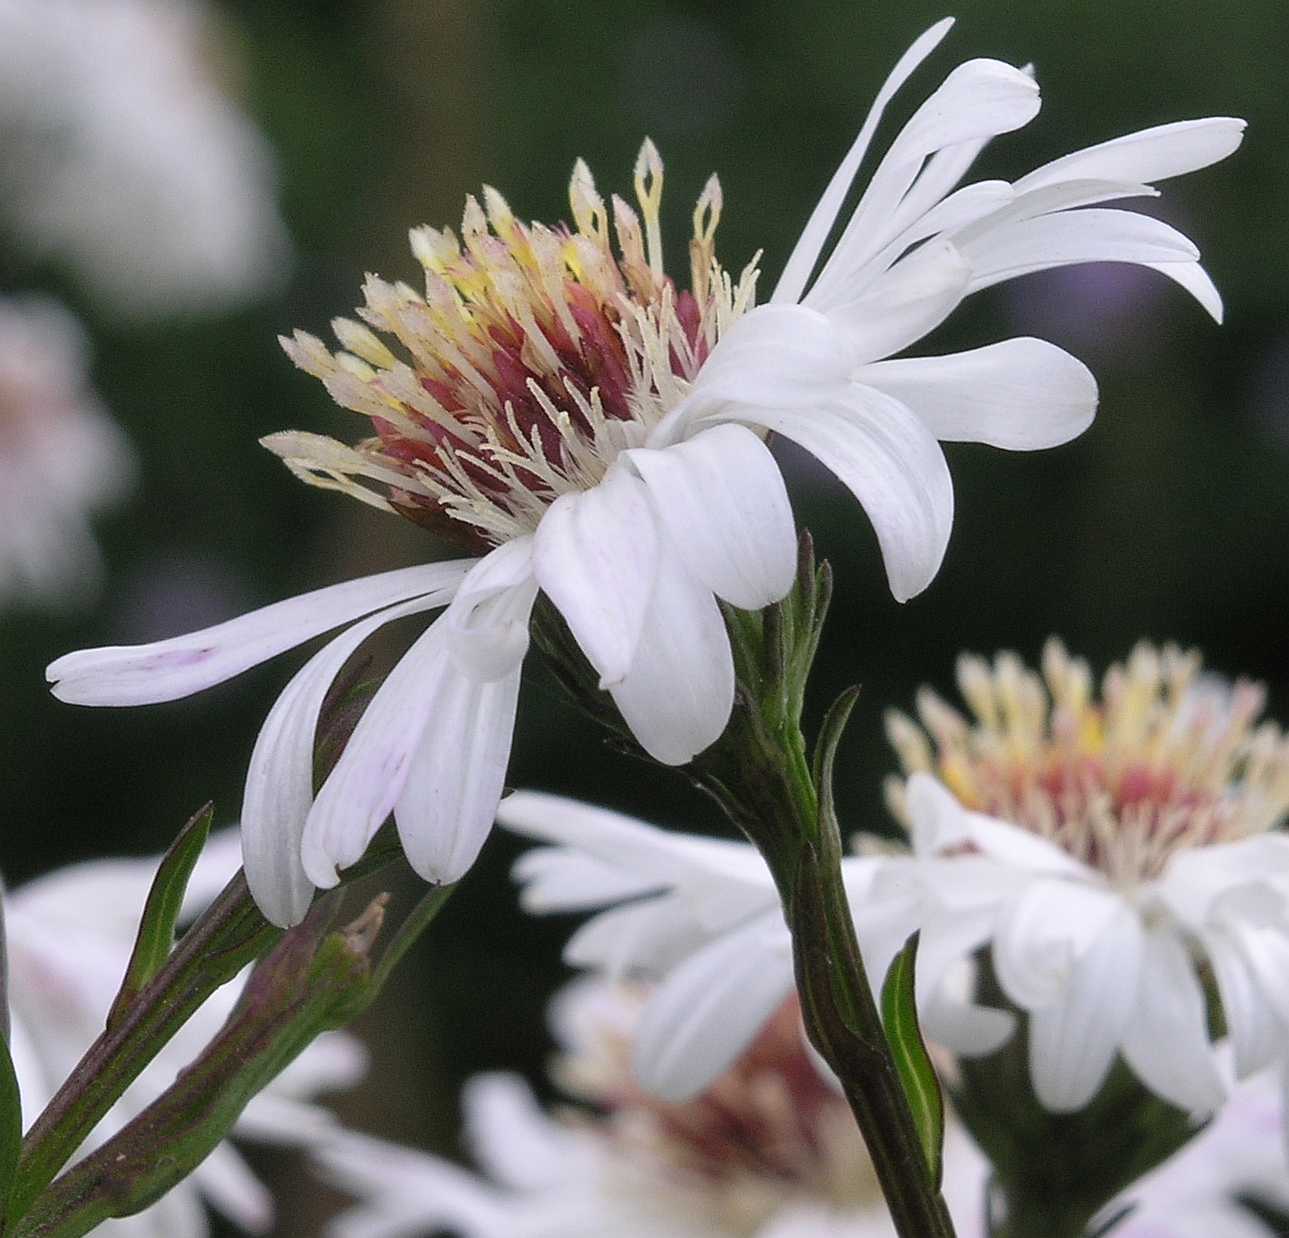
x: 844, y: 1024
x: 228, y: 936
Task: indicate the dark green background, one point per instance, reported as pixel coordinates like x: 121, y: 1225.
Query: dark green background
x: 1169, y: 518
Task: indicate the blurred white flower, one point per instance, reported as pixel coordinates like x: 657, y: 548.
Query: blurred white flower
x: 61, y: 457
x: 601, y: 437
x: 1195, y: 1193
x: 125, y: 160
x: 701, y: 917
x: 1132, y: 851
x: 70, y: 934
x: 769, y: 1150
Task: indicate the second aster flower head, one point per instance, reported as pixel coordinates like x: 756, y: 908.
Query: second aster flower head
x: 1120, y: 856
x: 599, y: 435
x: 1161, y: 760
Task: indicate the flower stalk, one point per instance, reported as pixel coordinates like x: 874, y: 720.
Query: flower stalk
x: 761, y: 775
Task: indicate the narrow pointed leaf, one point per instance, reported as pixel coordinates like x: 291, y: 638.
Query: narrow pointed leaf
x: 156, y: 937
x: 917, y: 1074
x: 830, y: 733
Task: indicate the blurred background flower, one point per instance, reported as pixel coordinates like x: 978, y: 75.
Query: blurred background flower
x: 1167, y: 519
x: 125, y: 160
x: 62, y: 457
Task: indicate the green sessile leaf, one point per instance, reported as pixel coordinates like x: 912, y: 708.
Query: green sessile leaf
x: 156, y: 937
x: 912, y: 1061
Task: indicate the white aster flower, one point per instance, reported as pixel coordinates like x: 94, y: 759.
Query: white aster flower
x: 768, y: 1150
x: 600, y: 437
x: 62, y: 457
x: 125, y: 159
x: 1129, y: 865
x: 700, y: 918
x: 70, y: 934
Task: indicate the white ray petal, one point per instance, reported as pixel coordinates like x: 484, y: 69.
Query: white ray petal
x: 1020, y: 394
x: 891, y: 463
x: 487, y: 623
x: 788, y: 355
x: 279, y: 781
x: 1256, y: 1034
x: 1166, y: 1042
x: 978, y: 100
x: 679, y: 692
x: 1072, y: 1042
x: 509, y: 1135
x: 362, y: 789
x: 721, y: 498
x: 1149, y: 155
x: 1067, y: 238
x: 449, y: 801
x: 595, y: 556
x: 805, y: 254
x: 1197, y: 281
x: 649, y: 937
x: 905, y: 303
x: 1043, y: 934
x: 560, y: 879
x: 228, y: 1184
x: 711, y: 1007
x: 182, y: 665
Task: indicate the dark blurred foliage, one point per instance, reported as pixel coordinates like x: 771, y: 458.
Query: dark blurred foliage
x: 1170, y: 518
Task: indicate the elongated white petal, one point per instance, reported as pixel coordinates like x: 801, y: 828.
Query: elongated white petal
x: 1072, y: 1042
x: 1067, y: 238
x: 487, y: 622
x: 1256, y: 1034
x: 805, y: 254
x: 1197, y: 281
x: 404, y: 1192
x: 1149, y: 155
x: 709, y: 1009
x: 957, y: 211
x: 978, y: 100
x: 910, y: 300
x: 279, y: 781
x: 1024, y: 849
x: 650, y: 936
x: 1042, y: 936
x: 228, y: 1184
x: 509, y: 1135
x: 595, y: 556
x: 1020, y: 394
x: 678, y: 695
x: 182, y: 665
x: 449, y: 801
x: 721, y: 498
x: 965, y: 1028
x: 891, y: 463
x: 938, y: 819
x: 558, y: 879
x: 662, y: 857
x: 786, y: 355
x: 362, y: 789
x: 1166, y: 1041
x: 1048, y: 200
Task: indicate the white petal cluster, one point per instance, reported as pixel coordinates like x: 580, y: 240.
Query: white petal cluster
x: 768, y: 1152
x: 62, y: 457
x: 692, y: 510
x: 70, y: 934
x: 125, y: 160
x: 697, y: 917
